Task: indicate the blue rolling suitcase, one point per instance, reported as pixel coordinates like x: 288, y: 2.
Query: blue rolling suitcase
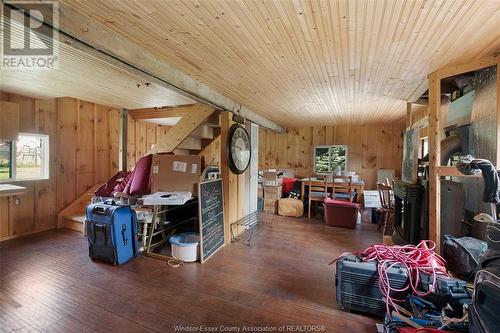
x: 111, y: 232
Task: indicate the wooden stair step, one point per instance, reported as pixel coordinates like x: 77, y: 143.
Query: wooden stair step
x: 213, y: 121
x: 203, y: 132
x: 74, y: 222
x: 190, y: 143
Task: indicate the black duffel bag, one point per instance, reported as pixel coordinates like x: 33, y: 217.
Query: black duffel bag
x: 463, y: 255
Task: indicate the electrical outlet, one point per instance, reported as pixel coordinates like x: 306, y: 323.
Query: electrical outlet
x: 18, y: 201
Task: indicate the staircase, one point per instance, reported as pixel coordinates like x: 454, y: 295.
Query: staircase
x: 205, y: 133
x: 73, y: 216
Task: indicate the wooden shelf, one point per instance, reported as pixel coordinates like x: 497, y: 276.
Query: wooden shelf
x: 451, y: 171
x: 8, y: 190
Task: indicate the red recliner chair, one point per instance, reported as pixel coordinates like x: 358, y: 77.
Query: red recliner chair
x: 340, y: 213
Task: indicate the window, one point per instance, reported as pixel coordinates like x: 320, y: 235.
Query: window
x: 5, y: 160
x: 329, y: 159
x: 424, y: 147
x: 25, y: 159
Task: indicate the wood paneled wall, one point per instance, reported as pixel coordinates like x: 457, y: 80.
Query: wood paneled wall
x: 370, y: 147
x: 90, y: 133
x: 141, y: 136
x: 83, y: 140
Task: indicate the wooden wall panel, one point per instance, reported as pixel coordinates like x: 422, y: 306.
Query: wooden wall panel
x: 82, y: 140
x: 140, y: 139
x: 150, y: 136
x: 46, y: 190
x: 24, y: 211
x: 305, y: 157
x: 131, y: 144
x: 66, y: 137
x: 9, y: 120
x: 370, y: 148
x: 292, y: 148
x: 102, y: 151
x: 212, y: 152
x: 85, y: 148
x: 114, y: 140
x: 262, y: 147
x: 4, y: 217
x: 27, y: 123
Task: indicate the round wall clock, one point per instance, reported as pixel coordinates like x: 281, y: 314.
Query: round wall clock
x: 238, y: 149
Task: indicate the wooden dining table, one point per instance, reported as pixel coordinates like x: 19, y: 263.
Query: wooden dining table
x: 357, y: 186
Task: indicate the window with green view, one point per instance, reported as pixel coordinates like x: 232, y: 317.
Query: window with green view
x: 27, y: 158
x: 5, y: 160
x: 328, y: 159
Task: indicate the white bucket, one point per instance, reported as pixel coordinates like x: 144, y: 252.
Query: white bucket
x: 185, y: 246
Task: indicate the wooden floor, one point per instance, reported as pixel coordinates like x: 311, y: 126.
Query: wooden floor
x: 49, y: 284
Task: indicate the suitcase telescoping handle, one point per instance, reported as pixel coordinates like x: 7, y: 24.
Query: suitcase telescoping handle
x: 101, y: 209
x: 124, y: 232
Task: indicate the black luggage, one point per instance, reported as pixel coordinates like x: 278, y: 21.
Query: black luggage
x: 357, y: 285
x: 484, y: 314
x: 111, y: 232
x: 463, y: 255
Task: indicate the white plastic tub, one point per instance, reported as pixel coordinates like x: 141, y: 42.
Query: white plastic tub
x: 185, y: 246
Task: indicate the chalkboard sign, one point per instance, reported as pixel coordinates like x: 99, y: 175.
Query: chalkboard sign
x: 211, y: 203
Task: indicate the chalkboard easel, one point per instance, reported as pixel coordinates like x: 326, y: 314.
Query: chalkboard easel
x: 211, y: 206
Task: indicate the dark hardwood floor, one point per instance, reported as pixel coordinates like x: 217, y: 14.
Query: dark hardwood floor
x: 48, y: 283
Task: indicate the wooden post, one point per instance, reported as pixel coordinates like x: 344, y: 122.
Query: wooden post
x: 498, y: 115
x: 434, y: 159
x: 225, y: 173
x: 409, y: 115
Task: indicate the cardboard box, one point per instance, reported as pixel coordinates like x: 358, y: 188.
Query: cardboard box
x: 271, y: 206
x: 273, y: 193
x: 271, y: 178
x: 175, y: 173
x: 260, y: 191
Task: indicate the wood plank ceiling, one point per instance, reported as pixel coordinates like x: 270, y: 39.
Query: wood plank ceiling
x: 306, y: 63
x: 85, y: 77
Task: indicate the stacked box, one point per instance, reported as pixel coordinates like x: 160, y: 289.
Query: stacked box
x: 271, y: 190
x: 272, y: 179
x: 271, y: 206
x: 272, y: 193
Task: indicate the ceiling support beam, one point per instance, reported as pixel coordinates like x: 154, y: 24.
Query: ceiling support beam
x: 101, y: 42
x: 165, y: 112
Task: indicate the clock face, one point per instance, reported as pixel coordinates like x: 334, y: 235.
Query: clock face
x: 239, y: 149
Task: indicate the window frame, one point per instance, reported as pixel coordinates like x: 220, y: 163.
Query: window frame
x: 329, y: 172
x: 44, y: 164
x: 11, y: 162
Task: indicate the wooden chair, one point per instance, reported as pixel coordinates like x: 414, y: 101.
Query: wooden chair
x: 385, y: 195
x: 342, y: 188
x: 316, y: 192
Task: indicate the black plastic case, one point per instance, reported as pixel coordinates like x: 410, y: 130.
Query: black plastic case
x: 357, y: 285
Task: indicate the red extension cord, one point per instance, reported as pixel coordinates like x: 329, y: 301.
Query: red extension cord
x: 415, y: 259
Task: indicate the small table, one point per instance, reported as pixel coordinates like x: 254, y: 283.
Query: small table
x: 372, y: 199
